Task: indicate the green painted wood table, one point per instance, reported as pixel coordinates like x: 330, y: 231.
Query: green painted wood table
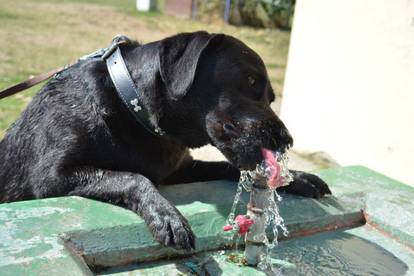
x: 366, y: 228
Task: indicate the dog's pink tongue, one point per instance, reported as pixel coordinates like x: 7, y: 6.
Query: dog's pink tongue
x: 274, y: 180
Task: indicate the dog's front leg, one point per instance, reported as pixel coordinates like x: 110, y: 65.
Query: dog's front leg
x: 307, y: 185
x: 138, y: 194
x: 196, y: 170
x: 303, y: 184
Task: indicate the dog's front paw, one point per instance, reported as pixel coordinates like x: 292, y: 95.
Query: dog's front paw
x: 307, y: 185
x: 170, y: 228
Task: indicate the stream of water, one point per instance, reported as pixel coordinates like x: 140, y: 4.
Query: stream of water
x: 273, y: 220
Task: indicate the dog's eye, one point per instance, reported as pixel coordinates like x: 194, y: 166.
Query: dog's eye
x: 251, y: 80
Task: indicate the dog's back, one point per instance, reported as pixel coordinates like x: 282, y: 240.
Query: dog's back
x: 13, y: 171
x: 30, y: 142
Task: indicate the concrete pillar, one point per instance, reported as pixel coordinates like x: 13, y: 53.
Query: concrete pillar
x: 349, y: 86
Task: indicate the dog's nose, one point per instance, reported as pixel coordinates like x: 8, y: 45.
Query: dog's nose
x: 230, y: 129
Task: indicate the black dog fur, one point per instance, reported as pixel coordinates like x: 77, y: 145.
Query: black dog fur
x: 77, y: 138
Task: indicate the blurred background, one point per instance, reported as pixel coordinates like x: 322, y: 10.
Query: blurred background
x: 349, y: 86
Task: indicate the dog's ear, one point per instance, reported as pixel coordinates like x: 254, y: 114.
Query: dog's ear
x: 178, y: 60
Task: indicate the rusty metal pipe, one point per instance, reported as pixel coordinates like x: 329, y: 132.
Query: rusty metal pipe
x: 256, y: 237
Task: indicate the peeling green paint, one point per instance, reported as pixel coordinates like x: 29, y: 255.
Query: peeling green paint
x: 388, y: 203
x: 104, y: 234
x: 358, y: 251
x: 29, y: 232
x: 121, y: 245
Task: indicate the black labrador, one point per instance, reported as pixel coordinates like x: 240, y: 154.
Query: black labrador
x: 76, y: 137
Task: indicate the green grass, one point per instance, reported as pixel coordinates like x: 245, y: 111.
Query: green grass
x: 39, y: 35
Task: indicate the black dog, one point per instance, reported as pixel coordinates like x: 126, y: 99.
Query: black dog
x: 77, y: 137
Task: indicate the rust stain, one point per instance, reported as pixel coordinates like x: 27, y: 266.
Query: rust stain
x: 389, y: 235
x: 330, y: 227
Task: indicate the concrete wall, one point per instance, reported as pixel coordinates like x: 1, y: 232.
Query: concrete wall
x: 349, y: 86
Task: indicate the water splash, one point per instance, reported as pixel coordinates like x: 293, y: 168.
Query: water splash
x: 273, y: 220
x: 230, y: 218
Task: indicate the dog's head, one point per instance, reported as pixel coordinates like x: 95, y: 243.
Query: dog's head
x: 217, y: 91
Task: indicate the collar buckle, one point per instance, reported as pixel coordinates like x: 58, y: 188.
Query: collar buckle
x: 116, y: 41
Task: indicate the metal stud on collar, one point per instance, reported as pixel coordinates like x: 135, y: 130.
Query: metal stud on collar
x: 137, y: 107
x: 159, y: 131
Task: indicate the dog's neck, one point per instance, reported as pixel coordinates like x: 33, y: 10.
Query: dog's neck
x: 170, y: 115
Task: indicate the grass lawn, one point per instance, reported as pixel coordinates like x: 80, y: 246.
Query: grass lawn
x: 39, y: 35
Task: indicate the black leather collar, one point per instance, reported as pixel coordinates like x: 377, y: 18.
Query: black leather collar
x: 125, y: 86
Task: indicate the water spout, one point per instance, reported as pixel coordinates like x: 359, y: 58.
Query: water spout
x: 262, y: 209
